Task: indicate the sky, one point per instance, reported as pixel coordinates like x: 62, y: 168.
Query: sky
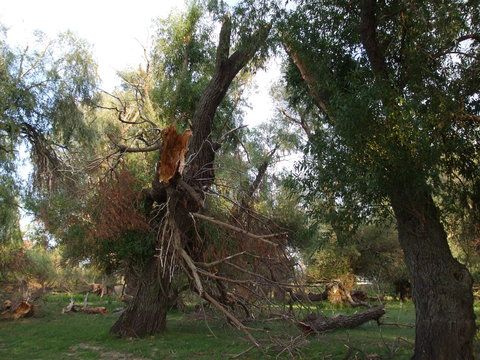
x: 118, y: 32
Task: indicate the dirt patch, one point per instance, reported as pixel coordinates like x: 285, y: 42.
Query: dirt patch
x: 75, y: 352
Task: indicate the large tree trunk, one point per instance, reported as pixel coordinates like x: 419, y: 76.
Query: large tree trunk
x: 442, y: 287
x: 146, y: 314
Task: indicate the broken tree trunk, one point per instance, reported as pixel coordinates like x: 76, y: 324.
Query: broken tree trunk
x: 320, y: 323
x: 183, y: 194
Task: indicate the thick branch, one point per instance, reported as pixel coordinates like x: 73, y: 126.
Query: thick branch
x: 201, y: 145
x: 223, y: 48
x: 308, y: 77
x: 368, y: 36
x: 321, y: 323
x: 474, y: 37
x: 262, y: 170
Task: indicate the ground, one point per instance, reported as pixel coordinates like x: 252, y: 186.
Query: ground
x: 53, y: 335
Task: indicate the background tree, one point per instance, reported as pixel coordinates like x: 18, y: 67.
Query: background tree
x: 395, y: 113
x: 46, y: 89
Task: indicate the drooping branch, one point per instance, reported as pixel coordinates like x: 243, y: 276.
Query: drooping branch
x: 48, y: 164
x: 236, y: 229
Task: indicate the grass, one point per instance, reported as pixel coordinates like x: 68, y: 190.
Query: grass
x: 52, y: 335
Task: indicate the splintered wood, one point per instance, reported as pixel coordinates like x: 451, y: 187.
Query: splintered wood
x: 172, y: 157
x: 24, y: 309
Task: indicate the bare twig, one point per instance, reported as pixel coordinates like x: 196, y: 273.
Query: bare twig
x: 235, y: 228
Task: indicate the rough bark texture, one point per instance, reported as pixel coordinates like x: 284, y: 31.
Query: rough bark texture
x: 227, y: 67
x: 146, y: 314
x: 320, y: 323
x: 442, y: 287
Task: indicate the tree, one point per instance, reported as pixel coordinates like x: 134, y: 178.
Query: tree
x: 390, y: 89
x: 46, y: 89
x: 175, y: 199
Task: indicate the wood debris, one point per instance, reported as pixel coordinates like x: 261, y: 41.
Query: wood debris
x: 317, y: 323
x: 172, y: 157
x: 23, y: 309
x: 71, y: 307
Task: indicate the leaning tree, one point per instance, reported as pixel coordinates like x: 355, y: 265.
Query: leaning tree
x: 177, y: 194
x: 391, y: 92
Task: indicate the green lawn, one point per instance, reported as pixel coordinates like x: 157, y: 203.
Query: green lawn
x: 52, y: 335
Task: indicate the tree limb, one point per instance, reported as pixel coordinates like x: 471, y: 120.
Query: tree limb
x: 368, y: 36
x: 234, y: 228
x: 223, y: 48
x: 308, y: 77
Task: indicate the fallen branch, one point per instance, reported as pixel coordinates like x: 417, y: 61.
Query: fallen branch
x: 397, y: 324
x: 71, y: 307
x: 320, y: 323
x: 24, y: 309
x: 232, y: 318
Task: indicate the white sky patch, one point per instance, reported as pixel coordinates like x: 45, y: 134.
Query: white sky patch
x: 261, y: 105
x: 118, y: 30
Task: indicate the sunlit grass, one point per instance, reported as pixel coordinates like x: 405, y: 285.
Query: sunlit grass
x: 53, y: 335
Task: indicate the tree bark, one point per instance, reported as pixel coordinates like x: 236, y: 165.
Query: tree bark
x: 442, y: 287
x: 146, y: 314
x: 319, y: 323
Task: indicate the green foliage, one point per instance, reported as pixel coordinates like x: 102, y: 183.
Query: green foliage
x: 330, y: 263
x: 371, y: 251
x: 46, y: 89
x: 182, y: 58
x: 9, y: 217
x: 379, y: 255
x: 410, y: 127
x: 41, y: 266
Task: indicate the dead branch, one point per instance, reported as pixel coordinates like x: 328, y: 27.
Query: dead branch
x: 188, y: 261
x: 217, y: 262
x: 191, y: 191
x: 320, y: 323
x: 235, y: 228
x: 232, y: 318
